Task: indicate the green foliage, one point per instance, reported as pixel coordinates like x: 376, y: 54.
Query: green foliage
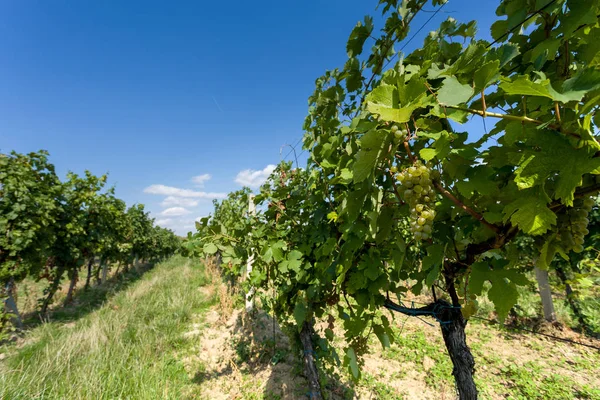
x: 54, y: 227
x: 28, y: 208
x: 336, y: 238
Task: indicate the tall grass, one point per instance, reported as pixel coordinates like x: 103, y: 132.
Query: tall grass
x: 124, y: 350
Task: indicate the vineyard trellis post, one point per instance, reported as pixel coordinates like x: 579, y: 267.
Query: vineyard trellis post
x: 541, y: 275
x: 11, y: 305
x: 250, y: 294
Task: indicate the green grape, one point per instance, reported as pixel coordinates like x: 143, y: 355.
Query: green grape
x: 394, y: 128
x: 427, y: 228
x: 419, y: 207
x: 418, y: 188
x: 393, y: 169
x: 577, y: 248
x: 581, y: 214
x: 421, y: 221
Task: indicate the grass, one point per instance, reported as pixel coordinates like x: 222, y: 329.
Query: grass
x: 149, y: 335
x: 129, y: 348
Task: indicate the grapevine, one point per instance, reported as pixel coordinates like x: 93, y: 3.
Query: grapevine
x: 337, y: 241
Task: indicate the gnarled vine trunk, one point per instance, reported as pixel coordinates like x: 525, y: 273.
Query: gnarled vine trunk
x: 51, y: 291
x: 74, y: 279
x: 453, y: 326
x: 310, y: 367
x: 453, y: 331
x: 88, y: 279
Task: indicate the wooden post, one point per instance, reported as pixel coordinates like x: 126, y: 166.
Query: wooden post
x: 104, y: 270
x: 541, y: 276
x: 250, y: 294
x: 11, y: 305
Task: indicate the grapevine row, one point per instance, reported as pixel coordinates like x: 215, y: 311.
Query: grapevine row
x: 396, y: 197
x: 51, y: 229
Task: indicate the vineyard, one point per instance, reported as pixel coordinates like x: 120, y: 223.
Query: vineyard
x: 484, y: 246
x: 55, y: 229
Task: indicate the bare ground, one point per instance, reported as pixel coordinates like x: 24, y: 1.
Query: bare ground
x: 243, y: 358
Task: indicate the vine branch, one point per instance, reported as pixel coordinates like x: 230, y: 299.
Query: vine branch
x: 513, y: 118
x: 466, y: 208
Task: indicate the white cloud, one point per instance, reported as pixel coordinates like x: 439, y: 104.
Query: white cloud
x: 164, y: 222
x: 175, y: 212
x: 177, y: 192
x: 200, y: 179
x: 179, y: 201
x: 252, y: 178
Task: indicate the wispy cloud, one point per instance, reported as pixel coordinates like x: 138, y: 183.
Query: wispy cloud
x: 217, y: 104
x: 177, y: 192
x: 179, y: 201
x: 200, y: 179
x: 254, y: 178
x: 175, y: 212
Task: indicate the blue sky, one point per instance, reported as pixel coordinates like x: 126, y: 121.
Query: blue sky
x: 157, y: 93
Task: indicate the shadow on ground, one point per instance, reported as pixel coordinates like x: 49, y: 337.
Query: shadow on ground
x: 87, y: 300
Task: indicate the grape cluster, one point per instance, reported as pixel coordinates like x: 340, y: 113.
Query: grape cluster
x: 419, y: 194
x: 573, y: 224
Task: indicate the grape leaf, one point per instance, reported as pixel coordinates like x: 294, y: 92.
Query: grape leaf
x: 504, y: 296
x: 382, y: 335
x: 503, y: 292
x: 488, y: 73
x: 210, y: 248
x: 358, y: 36
x: 371, y: 145
x: 558, y: 159
x: 352, y: 362
x: 433, y: 262
x: 353, y: 75
x: 385, y: 100
x: 504, y: 53
x: 453, y: 92
x: 300, y: 313
x: 574, y: 91
x: 530, y: 212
